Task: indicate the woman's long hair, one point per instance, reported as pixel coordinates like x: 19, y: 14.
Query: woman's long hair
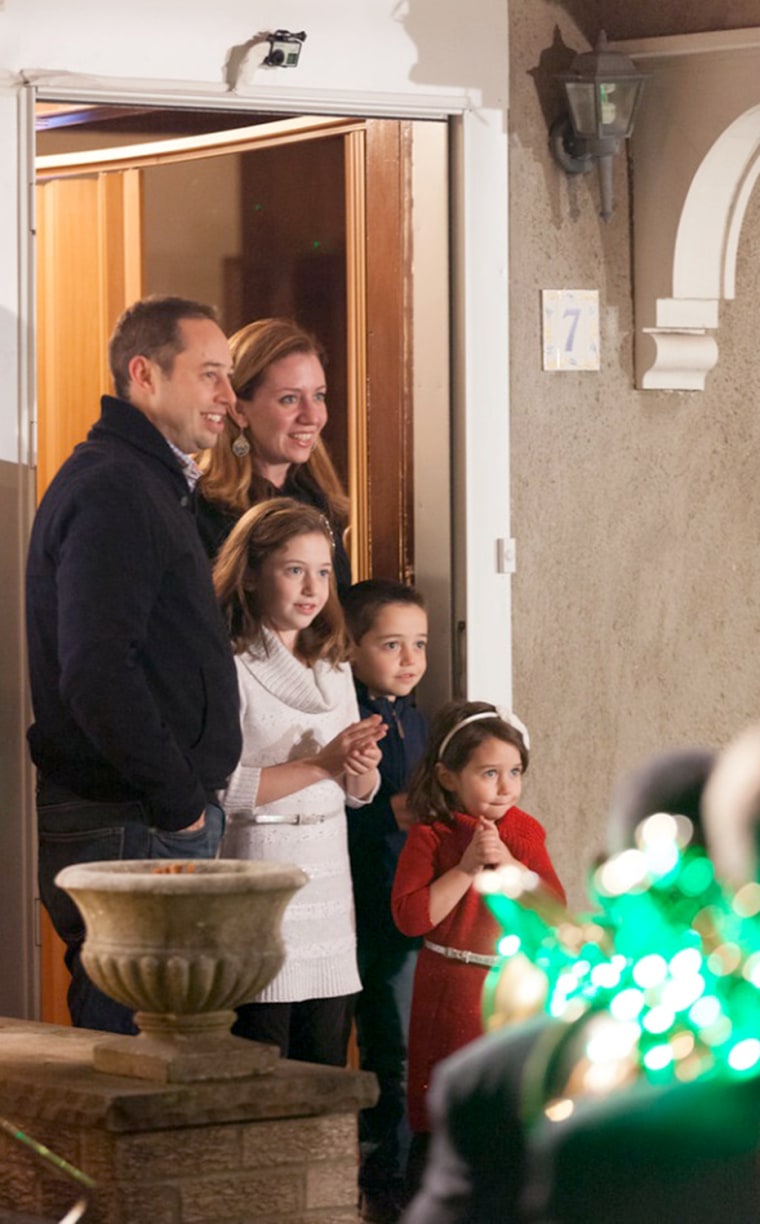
x: 261, y: 531
x: 427, y: 797
x: 235, y: 482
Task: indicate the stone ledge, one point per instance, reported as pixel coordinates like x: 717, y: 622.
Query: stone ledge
x: 46, y: 1073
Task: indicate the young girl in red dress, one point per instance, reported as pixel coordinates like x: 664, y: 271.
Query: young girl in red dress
x: 464, y: 796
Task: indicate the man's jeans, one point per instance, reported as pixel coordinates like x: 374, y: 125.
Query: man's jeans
x: 74, y: 830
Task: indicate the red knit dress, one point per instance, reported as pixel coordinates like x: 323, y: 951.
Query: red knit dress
x: 446, y: 1007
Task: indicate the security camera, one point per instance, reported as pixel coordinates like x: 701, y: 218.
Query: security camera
x: 284, y: 49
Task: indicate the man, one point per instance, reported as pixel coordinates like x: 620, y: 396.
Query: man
x: 133, y: 682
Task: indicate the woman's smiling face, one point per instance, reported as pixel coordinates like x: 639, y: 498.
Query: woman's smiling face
x: 286, y: 414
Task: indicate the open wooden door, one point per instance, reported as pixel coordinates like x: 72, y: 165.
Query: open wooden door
x: 91, y: 245
x: 380, y: 345
x: 89, y: 269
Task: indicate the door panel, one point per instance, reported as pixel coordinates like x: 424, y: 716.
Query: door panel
x: 389, y: 347
x: 379, y: 349
x: 89, y: 270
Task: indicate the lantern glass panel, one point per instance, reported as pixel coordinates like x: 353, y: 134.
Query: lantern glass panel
x: 582, y: 102
x: 602, y: 108
x: 617, y: 102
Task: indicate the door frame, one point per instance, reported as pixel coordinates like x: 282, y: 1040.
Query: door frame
x: 483, y: 551
x: 479, y: 355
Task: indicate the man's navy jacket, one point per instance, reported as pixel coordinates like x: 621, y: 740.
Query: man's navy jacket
x: 133, y: 682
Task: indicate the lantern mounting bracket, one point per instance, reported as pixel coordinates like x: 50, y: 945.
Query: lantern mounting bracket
x: 567, y: 150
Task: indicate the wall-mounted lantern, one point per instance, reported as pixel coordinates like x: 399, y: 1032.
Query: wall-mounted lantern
x: 603, y: 90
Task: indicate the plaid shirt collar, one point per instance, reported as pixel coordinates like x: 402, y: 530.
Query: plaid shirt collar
x: 188, y: 465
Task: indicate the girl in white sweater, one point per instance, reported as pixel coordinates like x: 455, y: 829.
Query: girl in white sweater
x: 305, y: 754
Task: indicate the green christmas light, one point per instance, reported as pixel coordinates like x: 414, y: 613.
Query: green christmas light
x: 671, y: 956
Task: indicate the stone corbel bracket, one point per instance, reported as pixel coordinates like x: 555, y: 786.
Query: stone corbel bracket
x: 695, y: 159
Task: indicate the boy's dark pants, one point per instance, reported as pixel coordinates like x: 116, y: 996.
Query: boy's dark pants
x: 382, y: 1025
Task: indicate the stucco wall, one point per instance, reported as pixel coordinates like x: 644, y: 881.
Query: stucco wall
x: 635, y: 606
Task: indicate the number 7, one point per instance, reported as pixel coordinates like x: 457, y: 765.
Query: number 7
x: 574, y: 313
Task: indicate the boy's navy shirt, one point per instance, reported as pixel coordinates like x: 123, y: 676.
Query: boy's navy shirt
x: 374, y: 839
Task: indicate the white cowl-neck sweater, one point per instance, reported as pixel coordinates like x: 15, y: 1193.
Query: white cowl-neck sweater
x: 289, y: 711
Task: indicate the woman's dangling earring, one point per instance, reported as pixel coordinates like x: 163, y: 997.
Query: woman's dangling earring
x: 241, y: 446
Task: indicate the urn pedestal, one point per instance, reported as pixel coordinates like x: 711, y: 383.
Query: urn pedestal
x: 183, y: 944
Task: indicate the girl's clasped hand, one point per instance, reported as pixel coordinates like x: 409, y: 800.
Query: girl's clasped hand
x: 486, y: 849
x: 355, y: 750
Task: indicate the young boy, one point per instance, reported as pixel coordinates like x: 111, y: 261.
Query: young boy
x: 387, y: 625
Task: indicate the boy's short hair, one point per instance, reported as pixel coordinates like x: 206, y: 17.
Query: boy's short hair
x: 363, y: 601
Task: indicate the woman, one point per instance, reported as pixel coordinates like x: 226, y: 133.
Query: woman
x: 272, y: 446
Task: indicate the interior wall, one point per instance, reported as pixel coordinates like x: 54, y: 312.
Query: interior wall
x: 635, y: 606
x: 190, y: 259
x: 293, y: 256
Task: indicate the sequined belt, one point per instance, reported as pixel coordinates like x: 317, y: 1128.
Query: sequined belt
x: 469, y: 958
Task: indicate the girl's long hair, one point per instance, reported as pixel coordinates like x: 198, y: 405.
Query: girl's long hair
x: 235, y: 483
x: 260, y: 532
x: 427, y: 798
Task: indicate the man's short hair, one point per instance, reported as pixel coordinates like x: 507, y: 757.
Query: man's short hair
x: 150, y: 328
x: 363, y: 602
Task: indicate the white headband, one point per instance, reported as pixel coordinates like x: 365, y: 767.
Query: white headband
x: 505, y: 715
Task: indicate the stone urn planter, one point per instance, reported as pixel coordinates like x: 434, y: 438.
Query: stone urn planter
x: 183, y: 943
